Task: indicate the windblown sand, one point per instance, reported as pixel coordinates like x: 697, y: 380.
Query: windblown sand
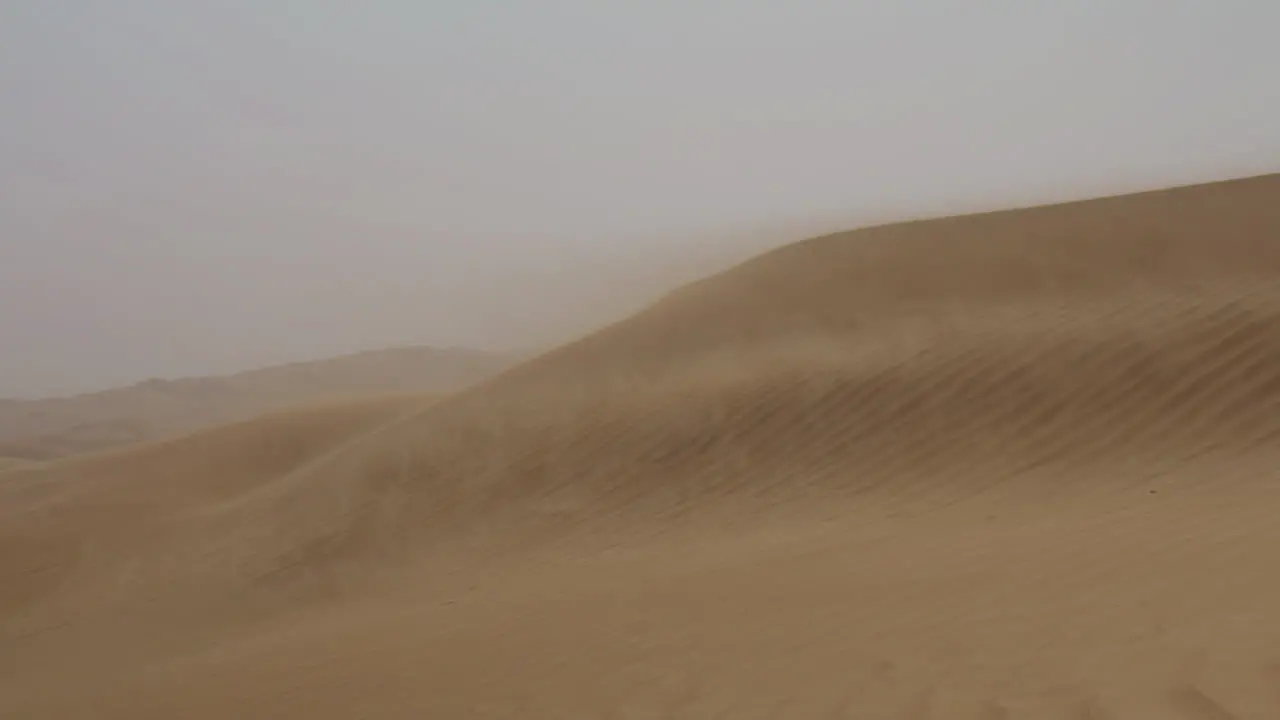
x: 1011, y: 465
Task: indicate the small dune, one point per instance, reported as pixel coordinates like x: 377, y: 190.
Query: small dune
x: 85, y: 511
x: 1019, y: 464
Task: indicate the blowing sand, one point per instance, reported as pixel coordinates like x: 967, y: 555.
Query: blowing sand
x: 1011, y: 465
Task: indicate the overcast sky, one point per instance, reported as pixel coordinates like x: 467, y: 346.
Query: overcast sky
x: 196, y: 187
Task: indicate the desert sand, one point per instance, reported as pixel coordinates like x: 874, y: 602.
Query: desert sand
x: 1014, y: 465
x: 159, y: 409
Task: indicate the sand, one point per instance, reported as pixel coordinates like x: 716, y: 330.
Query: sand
x: 1012, y: 465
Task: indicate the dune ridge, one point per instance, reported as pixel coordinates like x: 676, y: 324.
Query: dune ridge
x: 1009, y: 465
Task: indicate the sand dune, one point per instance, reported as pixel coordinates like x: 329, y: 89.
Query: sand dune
x: 1011, y: 465
x: 159, y: 409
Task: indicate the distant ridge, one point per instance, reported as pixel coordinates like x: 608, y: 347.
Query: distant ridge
x: 157, y: 409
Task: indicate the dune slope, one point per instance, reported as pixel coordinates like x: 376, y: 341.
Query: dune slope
x: 1011, y: 465
x: 85, y: 515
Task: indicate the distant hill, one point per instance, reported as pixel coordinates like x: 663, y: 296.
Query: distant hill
x: 158, y: 409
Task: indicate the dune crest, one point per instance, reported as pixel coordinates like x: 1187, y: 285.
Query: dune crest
x: 1018, y: 464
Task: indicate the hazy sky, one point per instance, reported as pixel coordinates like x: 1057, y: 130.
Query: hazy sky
x: 194, y: 187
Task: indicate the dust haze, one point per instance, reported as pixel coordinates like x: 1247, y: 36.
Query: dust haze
x: 200, y: 189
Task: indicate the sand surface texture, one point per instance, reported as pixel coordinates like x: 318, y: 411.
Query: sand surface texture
x: 1011, y: 465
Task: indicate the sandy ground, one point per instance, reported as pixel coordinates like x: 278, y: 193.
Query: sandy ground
x: 1015, y: 465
